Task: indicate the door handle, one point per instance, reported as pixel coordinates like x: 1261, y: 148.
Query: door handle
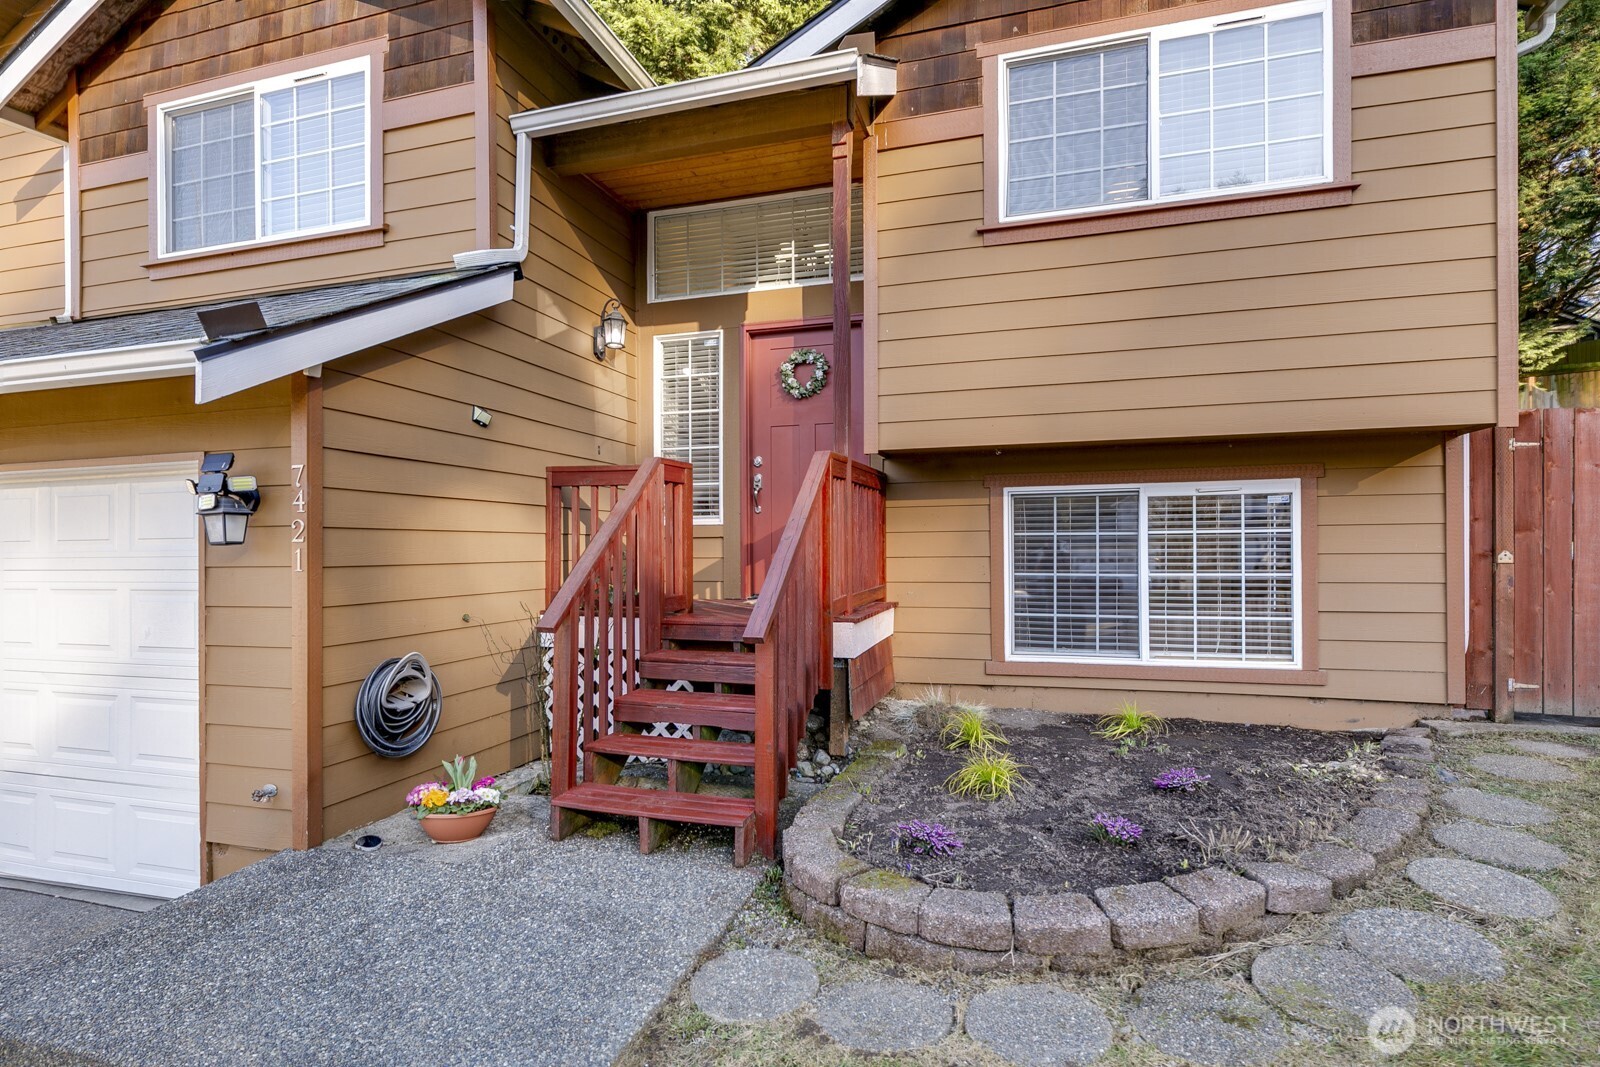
x: 755, y: 492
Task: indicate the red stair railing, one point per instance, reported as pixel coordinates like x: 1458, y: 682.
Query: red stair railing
x: 634, y: 568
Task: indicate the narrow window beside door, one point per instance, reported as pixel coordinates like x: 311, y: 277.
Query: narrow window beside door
x: 1174, y: 574
x: 689, y: 413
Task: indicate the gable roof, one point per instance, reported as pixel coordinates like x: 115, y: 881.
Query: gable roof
x: 46, y: 43
x: 823, y: 30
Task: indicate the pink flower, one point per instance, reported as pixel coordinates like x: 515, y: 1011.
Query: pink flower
x: 483, y: 783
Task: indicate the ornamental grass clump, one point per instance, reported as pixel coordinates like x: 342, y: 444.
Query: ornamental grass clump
x: 987, y: 775
x: 1116, y: 828
x: 461, y: 793
x: 1129, y: 726
x: 1186, y: 779
x: 967, y: 726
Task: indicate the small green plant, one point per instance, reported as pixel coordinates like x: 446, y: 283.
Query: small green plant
x: 987, y: 775
x: 967, y: 726
x: 1129, y: 726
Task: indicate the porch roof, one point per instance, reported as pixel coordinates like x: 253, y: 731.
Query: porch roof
x: 753, y: 131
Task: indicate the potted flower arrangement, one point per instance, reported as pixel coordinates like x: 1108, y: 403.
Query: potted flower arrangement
x: 459, y: 808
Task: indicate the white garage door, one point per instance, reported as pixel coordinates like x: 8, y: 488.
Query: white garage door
x: 99, y: 724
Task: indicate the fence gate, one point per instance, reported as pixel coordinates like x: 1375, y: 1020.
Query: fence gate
x: 1550, y: 491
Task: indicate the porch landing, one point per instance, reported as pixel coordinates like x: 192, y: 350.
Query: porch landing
x: 509, y: 950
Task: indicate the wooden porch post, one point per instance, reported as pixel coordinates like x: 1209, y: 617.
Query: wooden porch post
x: 843, y: 148
x: 305, y: 609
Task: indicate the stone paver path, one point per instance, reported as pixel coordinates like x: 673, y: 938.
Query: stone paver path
x: 752, y: 984
x: 1423, y: 947
x: 1500, y: 846
x: 1523, y: 768
x: 1207, y: 1022
x: 1482, y: 889
x: 1492, y: 807
x: 1039, y: 1026
x: 1332, y: 988
x: 1553, y: 750
x: 887, y: 1016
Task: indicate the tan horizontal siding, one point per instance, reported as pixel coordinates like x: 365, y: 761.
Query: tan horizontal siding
x: 31, y: 229
x: 435, y: 527
x: 246, y: 589
x: 1380, y: 582
x: 429, y: 209
x: 1376, y: 315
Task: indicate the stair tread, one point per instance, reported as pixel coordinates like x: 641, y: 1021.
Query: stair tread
x: 700, y: 665
x: 701, y: 808
x: 675, y: 698
x: 731, y: 753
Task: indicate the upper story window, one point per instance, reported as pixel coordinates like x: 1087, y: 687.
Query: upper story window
x: 286, y: 157
x: 1193, y: 109
x: 740, y: 245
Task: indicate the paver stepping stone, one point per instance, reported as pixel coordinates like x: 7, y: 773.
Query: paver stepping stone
x: 1500, y: 846
x: 887, y: 1016
x: 753, y: 983
x: 1482, y: 889
x: 1554, y: 750
x: 1492, y: 807
x: 1207, y: 1022
x: 1423, y: 947
x: 1039, y: 1026
x: 1523, y: 768
x: 1330, y: 987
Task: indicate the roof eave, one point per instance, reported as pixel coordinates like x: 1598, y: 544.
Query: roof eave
x: 872, y: 75
x: 606, y: 44
x: 822, y: 31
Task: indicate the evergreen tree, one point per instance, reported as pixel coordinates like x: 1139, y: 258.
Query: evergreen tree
x: 678, y: 39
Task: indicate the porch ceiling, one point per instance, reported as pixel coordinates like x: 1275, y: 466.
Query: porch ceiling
x: 745, y: 148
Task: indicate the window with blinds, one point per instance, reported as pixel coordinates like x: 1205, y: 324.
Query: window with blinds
x: 284, y: 157
x: 689, y: 413
x: 1171, y: 574
x: 741, y: 245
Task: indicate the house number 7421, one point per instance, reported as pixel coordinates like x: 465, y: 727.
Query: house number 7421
x: 297, y: 527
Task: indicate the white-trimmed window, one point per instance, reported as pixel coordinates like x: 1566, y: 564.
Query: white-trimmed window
x: 765, y: 242
x: 1192, y: 109
x: 286, y: 157
x: 689, y: 413
x: 1174, y: 574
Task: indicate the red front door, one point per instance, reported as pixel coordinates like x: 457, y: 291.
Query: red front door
x: 782, y: 433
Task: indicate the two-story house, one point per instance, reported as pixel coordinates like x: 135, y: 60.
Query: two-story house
x: 1161, y: 327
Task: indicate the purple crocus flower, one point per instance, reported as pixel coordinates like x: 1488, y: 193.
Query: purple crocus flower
x: 1117, y: 828
x: 1184, y: 778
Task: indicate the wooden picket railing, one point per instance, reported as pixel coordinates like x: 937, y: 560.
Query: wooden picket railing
x: 580, y: 499
x: 856, y: 538
x: 823, y: 566
x: 636, y: 567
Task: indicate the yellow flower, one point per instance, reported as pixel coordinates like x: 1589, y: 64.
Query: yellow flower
x: 434, y: 798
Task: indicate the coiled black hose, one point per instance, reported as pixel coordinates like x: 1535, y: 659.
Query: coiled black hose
x: 397, y: 709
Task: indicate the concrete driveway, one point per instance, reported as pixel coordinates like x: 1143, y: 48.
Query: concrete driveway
x: 36, y: 925
x: 508, y: 950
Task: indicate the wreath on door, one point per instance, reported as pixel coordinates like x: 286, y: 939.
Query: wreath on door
x: 819, y: 373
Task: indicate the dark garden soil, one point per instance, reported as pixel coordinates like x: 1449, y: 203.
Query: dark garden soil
x: 1039, y: 840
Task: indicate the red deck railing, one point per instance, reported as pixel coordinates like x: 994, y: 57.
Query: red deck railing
x: 828, y: 562
x: 636, y: 567
x: 580, y: 499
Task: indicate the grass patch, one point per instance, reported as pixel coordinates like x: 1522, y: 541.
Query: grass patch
x: 987, y: 775
x: 1130, y: 726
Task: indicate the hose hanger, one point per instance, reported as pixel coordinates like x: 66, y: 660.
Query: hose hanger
x: 398, y: 706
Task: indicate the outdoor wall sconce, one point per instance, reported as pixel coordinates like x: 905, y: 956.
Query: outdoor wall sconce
x: 612, y: 333
x: 224, y: 502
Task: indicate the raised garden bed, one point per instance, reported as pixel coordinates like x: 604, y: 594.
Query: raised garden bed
x: 1286, y: 820
x: 1039, y: 840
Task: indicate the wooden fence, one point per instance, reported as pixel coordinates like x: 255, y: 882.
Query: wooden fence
x: 1534, y: 584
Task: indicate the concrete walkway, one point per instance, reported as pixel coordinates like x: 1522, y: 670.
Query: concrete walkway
x: 35, y: 925
x: 508, y: 950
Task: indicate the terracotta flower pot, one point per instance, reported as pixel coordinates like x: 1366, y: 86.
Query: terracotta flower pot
x: 451, y: 829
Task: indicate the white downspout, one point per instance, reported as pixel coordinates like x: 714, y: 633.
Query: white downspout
x: 490, y: 257
x: 1545, y: 27
x: 72, y: 254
